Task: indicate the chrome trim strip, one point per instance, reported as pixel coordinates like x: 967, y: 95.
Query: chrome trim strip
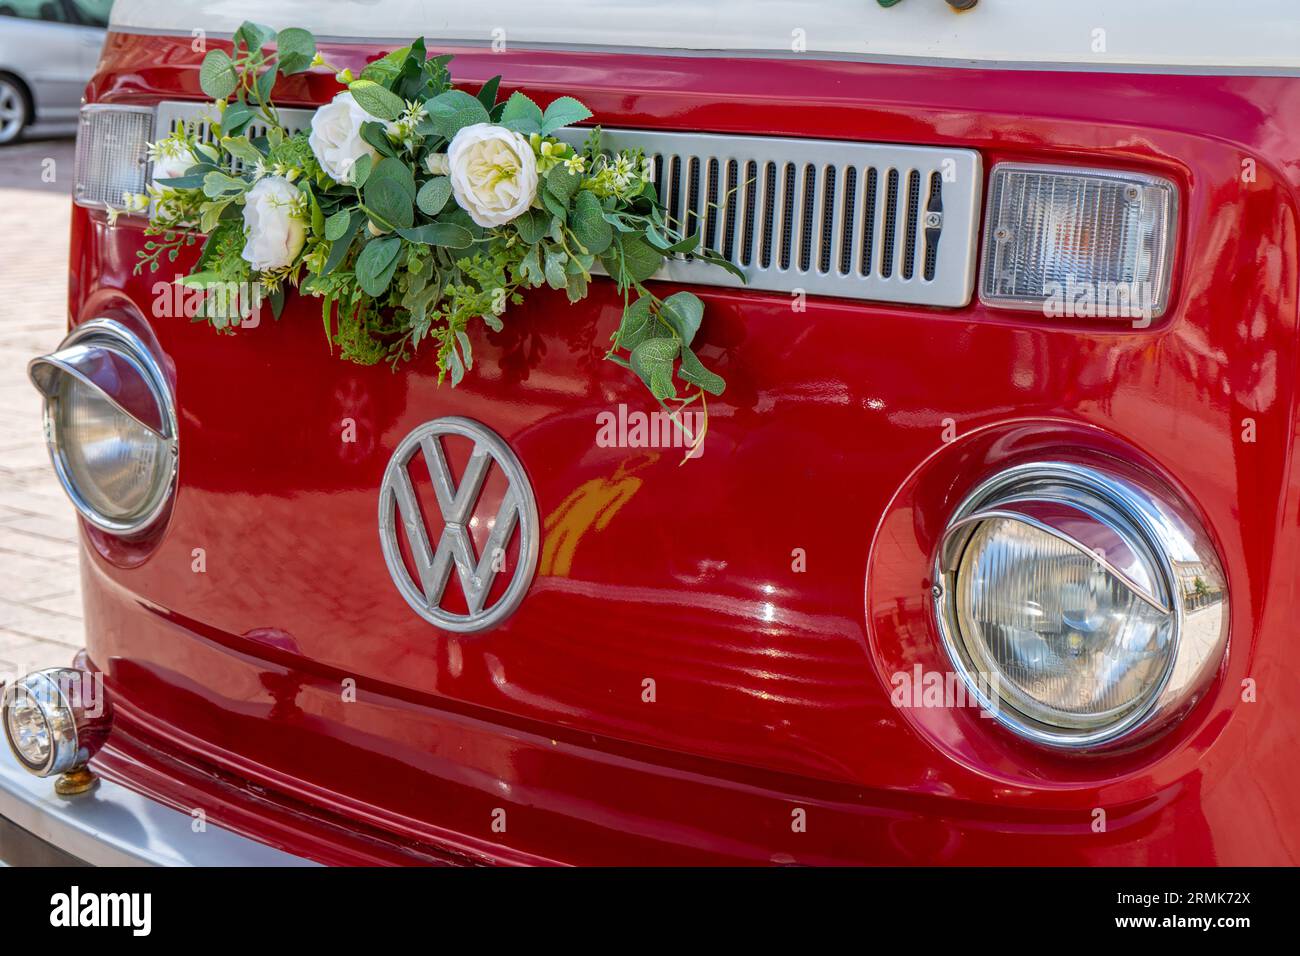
x: 114, y: 826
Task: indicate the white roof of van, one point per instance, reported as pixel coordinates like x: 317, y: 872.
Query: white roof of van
x: 1257, y: 36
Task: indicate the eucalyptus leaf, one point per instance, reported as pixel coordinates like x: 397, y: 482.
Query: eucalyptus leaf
x: 562, y: 184
x: 588, y: 222
x: 217, y: 77
x: 652, y: 360
x: 376, y: 264
x: 638, y: 324
x: 254, y: 36
x: 376, y: 100
x: 433, y: 195
x: 693, y: 372
x: 533, y: 225
x: 632, y: 259
x: 444, y: 234
x: 450, y: 112
x: 340, y: 246
x: 337, y: 224
x: 683, y: 312
x: 295, y: 48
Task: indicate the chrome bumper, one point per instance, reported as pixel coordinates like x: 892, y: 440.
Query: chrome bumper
x: 114, y: 826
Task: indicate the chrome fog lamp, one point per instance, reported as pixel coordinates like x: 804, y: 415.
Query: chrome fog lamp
x: 1081, y: 608
x: 110, y: 425
x: 55, y: 720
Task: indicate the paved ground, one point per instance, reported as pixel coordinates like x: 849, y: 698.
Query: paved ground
x: 40, y: 600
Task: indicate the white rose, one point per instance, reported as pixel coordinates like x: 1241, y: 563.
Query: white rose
x: 273, y: 232
x: 493, y: 173
x: 173, y: 160
x: 336, y: 136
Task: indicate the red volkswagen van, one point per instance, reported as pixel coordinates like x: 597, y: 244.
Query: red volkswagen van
x: 987, y: 556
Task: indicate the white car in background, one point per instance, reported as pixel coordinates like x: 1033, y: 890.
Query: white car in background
x: 48, y: 51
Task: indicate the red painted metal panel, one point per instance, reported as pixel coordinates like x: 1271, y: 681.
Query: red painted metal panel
x: 772, y: 686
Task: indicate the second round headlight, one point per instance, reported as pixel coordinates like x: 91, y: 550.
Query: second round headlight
x: 1064, y: 595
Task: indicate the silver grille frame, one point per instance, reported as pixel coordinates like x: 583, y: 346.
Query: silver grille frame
x: 867, y: 221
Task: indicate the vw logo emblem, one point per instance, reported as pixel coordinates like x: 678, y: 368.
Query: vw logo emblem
x: 455, y: 548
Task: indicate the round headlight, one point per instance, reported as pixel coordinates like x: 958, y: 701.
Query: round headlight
x: 29, y: 731
x: 1076, y: 605
x: 110, y: 425
x: 56, y: 719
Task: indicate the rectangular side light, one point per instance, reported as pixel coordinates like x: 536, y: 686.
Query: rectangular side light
x: 1078, y: 243
x: 112, y: 153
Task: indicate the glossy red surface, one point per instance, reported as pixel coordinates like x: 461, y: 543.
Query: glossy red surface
x: 772, y: 684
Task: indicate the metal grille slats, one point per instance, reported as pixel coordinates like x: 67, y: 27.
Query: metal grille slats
x: 829, y: 217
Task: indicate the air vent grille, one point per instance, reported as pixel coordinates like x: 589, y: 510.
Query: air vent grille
x: 855, y: 220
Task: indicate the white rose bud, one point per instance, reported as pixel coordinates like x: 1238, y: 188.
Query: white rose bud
x: 274, y: 234
x: 493, y: 173
x: 336, y: 136
x: 437, y: 164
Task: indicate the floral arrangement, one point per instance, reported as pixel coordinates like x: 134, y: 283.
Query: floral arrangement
x: 412, y: 209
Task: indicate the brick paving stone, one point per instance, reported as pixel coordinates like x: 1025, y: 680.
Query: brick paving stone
x: 40, y: 591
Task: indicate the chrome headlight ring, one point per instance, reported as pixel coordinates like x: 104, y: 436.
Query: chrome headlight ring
x: 1144, y: 543
x: 112, y: 361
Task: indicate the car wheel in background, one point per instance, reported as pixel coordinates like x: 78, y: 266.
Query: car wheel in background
x: 14, y: 110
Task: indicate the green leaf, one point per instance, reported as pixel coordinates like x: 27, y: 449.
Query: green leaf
x: 533, y: 225
x: 254, y: 36
x: 563, y: 112
x: 339, y: 247
x: 376, y: 136
x: 235, y: 118
x: 361, y: 170
x: 692, y: 371
x: 452, y: 111
x: 652, y: 360
x: 241, y: 149
x: 487, y: 94
x: 376, y: 100
x: 521, y: 115
x: 554, y: 269
x: 377, y: 263
x: 390, y: 193
x: 562, y: 184
x: 445, y: 234
x: 217, y: 77
x: 686, y: 244
x: 575, y: 286
x: 337, y: 224
x: 589, y: 223
x: 387, y: 68
x: 530, y: 267
x: 433, y: 195
x: 639, y: 260
x: 638, y: 324
x: 265, y: 83
x: 455, y: 367
x: 683, y: 313
x: 295, y: 47
x: 217, y: 184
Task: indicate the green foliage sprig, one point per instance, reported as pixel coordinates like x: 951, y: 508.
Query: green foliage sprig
x: 395, y: 251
